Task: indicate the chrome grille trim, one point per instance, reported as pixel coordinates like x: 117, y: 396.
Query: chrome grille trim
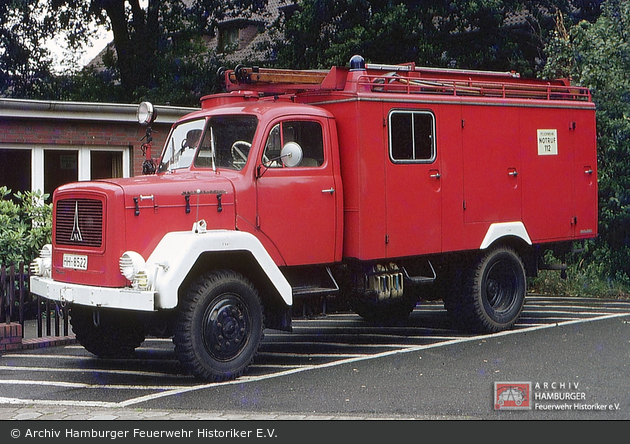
x: 90, y: 222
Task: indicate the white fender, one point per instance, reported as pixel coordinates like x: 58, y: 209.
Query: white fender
x: 498, y: 230
x: 178, y: 251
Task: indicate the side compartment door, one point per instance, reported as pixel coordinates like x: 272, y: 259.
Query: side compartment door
x: 548, y: 173
x: 492, y: 164
x: 586, y: 197
x: 297, y: 206
x: 414, y: 184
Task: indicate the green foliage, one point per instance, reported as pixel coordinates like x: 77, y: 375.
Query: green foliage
x: 159, y: 53
x: 25, y: 225
x: 597, y: 55
x: 186, y: 72
x: 25, y: 64
x: 595, y: 274
x: 473, y: 34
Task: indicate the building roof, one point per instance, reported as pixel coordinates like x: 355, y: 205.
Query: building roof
x: 111, y: 112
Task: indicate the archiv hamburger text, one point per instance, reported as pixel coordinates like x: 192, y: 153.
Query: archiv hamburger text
x: 570, y: 393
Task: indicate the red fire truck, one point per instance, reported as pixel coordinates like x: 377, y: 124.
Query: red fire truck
x: 380, y: 185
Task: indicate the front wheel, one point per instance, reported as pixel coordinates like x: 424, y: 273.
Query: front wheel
x: 107, y: 333
x: 493, y: 294
x: 219, y: 326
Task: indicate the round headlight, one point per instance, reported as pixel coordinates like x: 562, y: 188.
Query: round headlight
x: 46, y: 251
x: 42, y: 265
x: 146, y: 113
x: 130, y: 264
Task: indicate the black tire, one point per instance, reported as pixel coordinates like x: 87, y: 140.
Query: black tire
x: 493, y: 294
x: 219, y: 326
x: 106, y: 333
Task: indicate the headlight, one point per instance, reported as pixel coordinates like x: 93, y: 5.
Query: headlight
x: 42, y: 265
x: 146, y: 113
x: 133, y: 267
x: 130, y: 264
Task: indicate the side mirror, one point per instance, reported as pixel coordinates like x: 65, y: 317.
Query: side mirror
x: 291, y: 154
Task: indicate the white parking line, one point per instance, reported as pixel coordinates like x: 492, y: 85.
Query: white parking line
x: 89, y: 386
x: 311, y: 355
x: 87, y: 358
x: 91, y: 370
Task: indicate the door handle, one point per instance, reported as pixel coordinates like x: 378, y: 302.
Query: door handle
x: 513, y: 173
x: 330, y: 191
x: 435, y: 175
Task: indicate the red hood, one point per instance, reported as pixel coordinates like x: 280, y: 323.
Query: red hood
x: 136, y: 213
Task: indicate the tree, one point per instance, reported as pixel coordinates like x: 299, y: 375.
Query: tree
x: 487, y: 34
x: 25, y: 64
x: 597, y: 55
x: 153, y: 46
x: 145, y: 37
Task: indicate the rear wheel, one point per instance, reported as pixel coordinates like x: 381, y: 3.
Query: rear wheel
x: 219, y: 326
x: 492, y: 293
x: 106, y: 333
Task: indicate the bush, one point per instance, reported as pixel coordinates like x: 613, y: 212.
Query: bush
x: 588, y: 275
x: 25, y: 225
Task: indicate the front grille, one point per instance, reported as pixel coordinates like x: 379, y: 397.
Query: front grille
x: 79, y: 222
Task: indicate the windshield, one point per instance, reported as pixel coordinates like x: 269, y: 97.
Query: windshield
x: 227, y: 142
x: 180, y: 148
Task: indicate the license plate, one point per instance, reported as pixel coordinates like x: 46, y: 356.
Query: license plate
x: 76, y: 261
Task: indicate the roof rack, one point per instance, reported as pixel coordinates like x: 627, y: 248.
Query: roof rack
x: 472, y: 87
x: 400, y: 79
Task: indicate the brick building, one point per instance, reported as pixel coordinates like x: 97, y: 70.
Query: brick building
x: 44, y: 144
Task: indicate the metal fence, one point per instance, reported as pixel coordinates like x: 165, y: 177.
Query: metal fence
x: 18, y: 304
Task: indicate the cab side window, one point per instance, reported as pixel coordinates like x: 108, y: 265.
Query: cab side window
x: 307, y: 134
x: 411, y: 136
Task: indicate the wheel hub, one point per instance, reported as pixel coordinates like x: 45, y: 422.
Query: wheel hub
x: 226, y: 328
x: 500, y: 286
x: 493, y: 289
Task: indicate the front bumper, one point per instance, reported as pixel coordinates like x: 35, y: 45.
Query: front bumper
x: 120, y: 298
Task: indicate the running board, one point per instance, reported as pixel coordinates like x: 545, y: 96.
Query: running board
x: 419, y: 279
x: 306, y: 284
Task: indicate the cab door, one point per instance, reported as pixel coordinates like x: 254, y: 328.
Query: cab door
x: 297, y: 205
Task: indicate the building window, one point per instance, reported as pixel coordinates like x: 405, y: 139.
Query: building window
x: 228, y: 39
x: 46, y: 168
x: 15, y: 169
x: 411, y: 136
x: 60, y: 166
x: 106, y: 164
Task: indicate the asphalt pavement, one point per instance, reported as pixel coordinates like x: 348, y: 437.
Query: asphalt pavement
x: 588, y: 359
x: 54, y: 412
